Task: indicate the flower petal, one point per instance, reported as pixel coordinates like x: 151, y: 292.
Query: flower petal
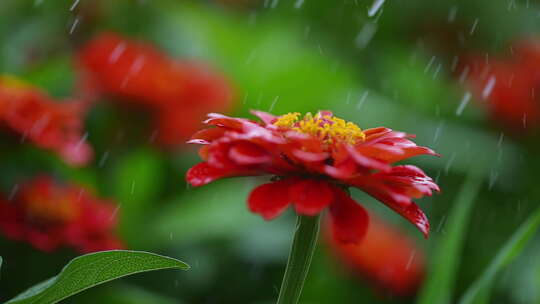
x: 206, y: 136
x: 267, y: 118
x: 400, y: 203
x: 349, y: 219
x: 310, y: 196
x: 221, y: 120
x: 202, y: 174
x: 245, y: 153
x: 270, y: 200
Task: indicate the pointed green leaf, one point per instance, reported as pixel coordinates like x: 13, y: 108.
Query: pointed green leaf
x: 478, y: 292
x: 93, y: 269
x: 440, y: 281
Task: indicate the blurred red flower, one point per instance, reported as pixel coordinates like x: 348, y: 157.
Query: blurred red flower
x: 386, y: 257
x: 48, y: 216
x: 314, y: 159
x: 178, y: 93
x: 48, y: 124
x: 508, y: 85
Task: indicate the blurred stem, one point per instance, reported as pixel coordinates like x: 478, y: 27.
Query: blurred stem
x: 302, y: 249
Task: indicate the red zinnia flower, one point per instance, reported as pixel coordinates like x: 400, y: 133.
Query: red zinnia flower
x: 508, y: 85
x: 48, y: 216
x: 48, y: 124
x: 386, y: 257
x: 141, y: 74
x: 313, y: 159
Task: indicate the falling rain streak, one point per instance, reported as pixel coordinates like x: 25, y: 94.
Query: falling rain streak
x: 377, y: 4
x: 463, y: 103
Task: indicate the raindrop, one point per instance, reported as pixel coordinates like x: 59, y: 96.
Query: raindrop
x: 474, y: 26
x: 449, y: 163
x: 132, y: 187
x: 117, y: 52
x: 74, y: 25
x: 274, y: 3
x: 103, y: 159
x: 13, y: 191
x: 463, y: 103
x: 441, y: 223
x: 113, y: 214
x: 363, y: 99
x: 501, y: 138
x: 452, y: 14
x: 81, y: 141
x: 377, y: 4
x: 365, y: 35
x: 298, y: 4
x: 428, y: 66
x: 489, y: 87
x: 455, y: 61
x: 137, y: 65
x: 464, y: 74
x: 74, y: 5
x: 437, y: 71
x: 411, y: 258
x: 273, y: 104
x: 438, y: 131
x: 512, y: 5
x: 320, y: 49
x: 244, y: 101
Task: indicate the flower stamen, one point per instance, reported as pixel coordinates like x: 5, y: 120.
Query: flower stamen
x: 323, y: 125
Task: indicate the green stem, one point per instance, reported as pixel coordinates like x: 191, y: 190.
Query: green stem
x: 302, y: 248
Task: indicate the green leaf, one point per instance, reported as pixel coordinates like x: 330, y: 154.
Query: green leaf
x: 93, y: 269
x: 478, y: 292
x: 440, y: 281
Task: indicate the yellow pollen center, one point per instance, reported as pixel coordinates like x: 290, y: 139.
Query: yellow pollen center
x: 323, y: 125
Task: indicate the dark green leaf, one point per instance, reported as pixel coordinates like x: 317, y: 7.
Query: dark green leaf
x: 93, y: 269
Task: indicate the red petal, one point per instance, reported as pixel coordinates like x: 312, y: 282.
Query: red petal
x: 206, y: 136
x: 396, y: 199
x: 415, y: 215
x: 221, y: 120
x: 202, y: 174
x: 267, y: 118
x: 270, y: 200
x: 310, y: 196
x: 349, y: 219
x: 310, y: 156
x: 245, y: 153
x: 368, y: 162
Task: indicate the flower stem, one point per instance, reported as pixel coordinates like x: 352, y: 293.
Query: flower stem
x: 302, y: 248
